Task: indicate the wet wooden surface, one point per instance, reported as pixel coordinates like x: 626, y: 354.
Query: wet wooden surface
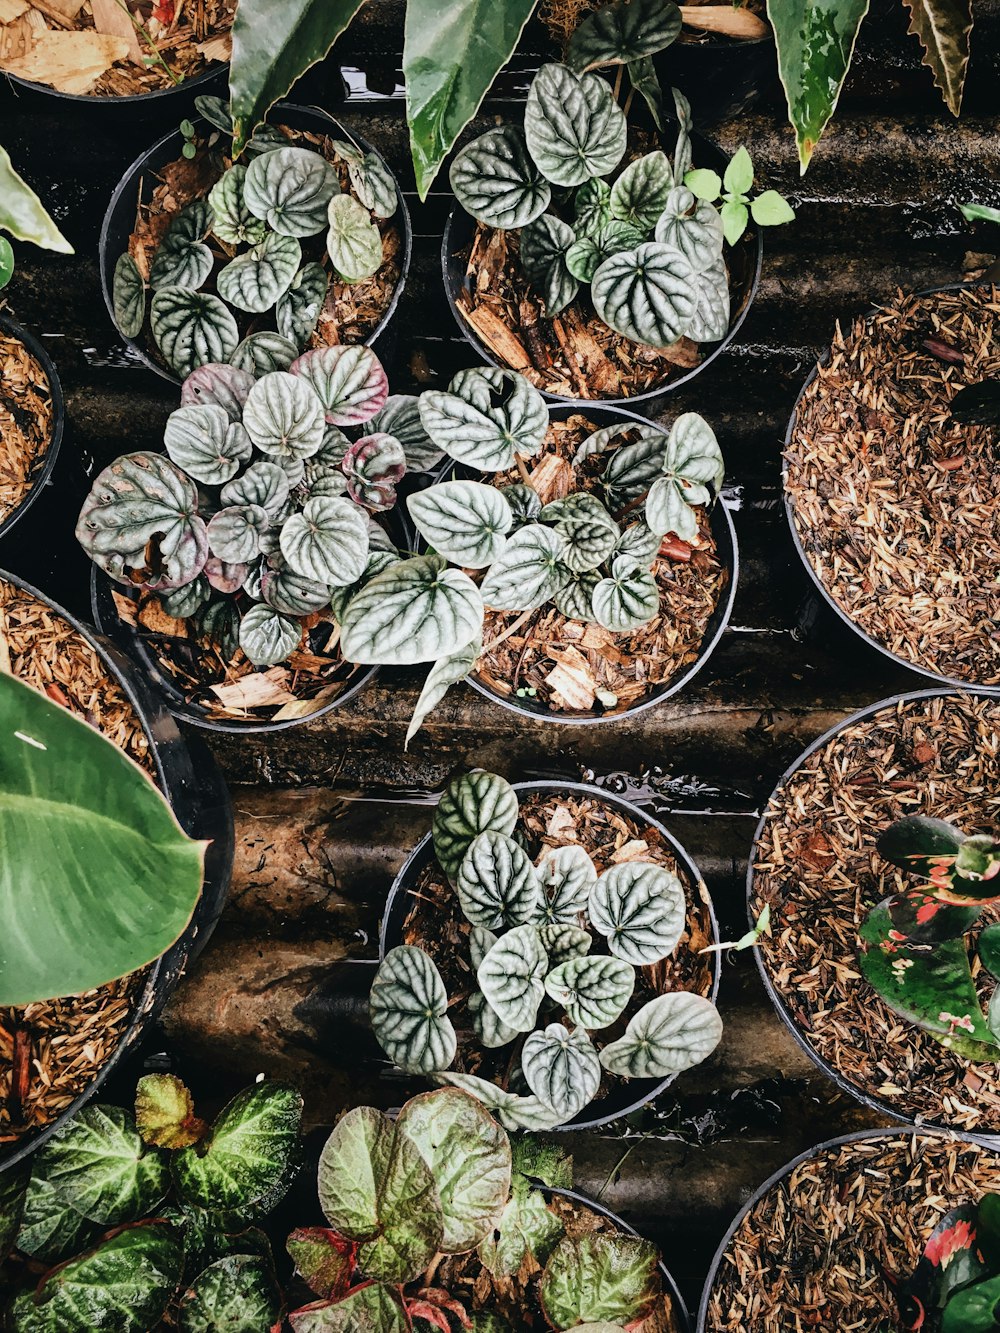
x: 325, y: 813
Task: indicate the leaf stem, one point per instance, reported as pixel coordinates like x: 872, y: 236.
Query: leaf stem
x: 147, y: 36
x: 618, y: 81
x: 512, y: 628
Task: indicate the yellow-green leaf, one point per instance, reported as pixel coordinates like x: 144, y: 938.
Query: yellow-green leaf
x: 22, y: 214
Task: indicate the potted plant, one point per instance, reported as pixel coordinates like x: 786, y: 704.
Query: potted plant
x: 877, y: 975
x: 304, y: 243
x: 870, y: 1231
x: 99, y: 929
x: 123, y: 1219
x: 542, y: 950
x: 609, y: 575
x: 485, y: 1235
x: 31, y: 421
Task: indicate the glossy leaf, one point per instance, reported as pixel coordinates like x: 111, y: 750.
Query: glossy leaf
x: 545, y: 244
x: 561, y: 1068
x: 692, y: 226
x: 575, y: 599
x: 192, y: 328
x: 445, y: 672
x: 22, y: 214
x: 262, y: 353
x: 100, y: 1167
x: 409, y: 1012
x: 232, y: 220
x: 526, y: 1225
x: 529, y: 571
x: 640, y: 910
x: 370, y: 1308
x: 567, y: 875
x: 562, y: 942
x: 291, y: 593
x: 605, y: 1276
x: 640, y: 193
x: 255, y: 281
x: 372, y: 467
x: 525, y: 506
x: 263, y: 484
x: 373, y: 183
x: 164, y: 1112
x: 496, y: 181
x: 234, y: 533
x: 573, y: 126
x: 623, y: 31
x: 627, y: 599
x: 594, y: 991
x: 180, y: 261
x: 206, y: 444
x: 463, y: 520
x: 588, y: 531
x: 49, y: 1230
x: 944, y: 28
x: 416, y: 611
x: 671, y: 1033
x: 496, y: 883
x: 485, y: 418
x: 128, y: 296
x: 323, y: 1259
x: 512, y: 977
x: 471, y: 804
x: 236, y: 1294
x: 589, y: 251
x: 974, y: 1310
x: 218, y: 385
x: 646, y: 294
x: 268, y: 637
x: 291, y: 188
x: 350, y: 381
x: 284, y: 416
x: 353, y: 242
x: 400, y: 417
x: 487, y: 1024
x: 327, y: 541
x: 961, y: 870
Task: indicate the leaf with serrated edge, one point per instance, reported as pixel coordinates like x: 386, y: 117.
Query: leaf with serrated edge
x: 254, y: 281
x: 567, y: 875
x: 526, y: 1225
x: 327, y: 541
x: 529, y: 571
x: 486, y: 417
x: 471, y: 804
x: 573, y: 126
x: 237, y: 1293
x: 496, y: 883
x: 128, y: 296
x: 640, y: 193
x: 646, y: 294
x: 495, y: 180
x: 192, y: 328
x: 49, y: 1230
x: 284, y: 416
x: 628, y: 599
x: 640, y: 909
x: 101, y: 1168
x: 561, y: 1068
x: 512, y: 977
x: 164, y: 1112
x: 290, y: 189
x: 350, y: 381
x: 353, y: 242
x: 417, y: 611
x: 594, y: 991
x: 268, y: 637
x: 606, y: 1276
x: 667, y: 1035
x: 463, y: 520
x: 623, y: 31
x: 409, y: 1012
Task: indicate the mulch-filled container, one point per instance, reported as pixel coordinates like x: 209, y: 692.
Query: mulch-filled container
x: 891, y: 502
x: 31, y: 421
x: 80, y: 1040
x: 809, y: 1248
x: 814, y: 863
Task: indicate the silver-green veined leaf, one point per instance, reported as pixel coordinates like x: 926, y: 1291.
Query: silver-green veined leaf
x: 561, y: 1068
x: 234, y: 533
x: 266, y: 138
x: 254, y: 281
x: 353, y: 242
x: 267, y: 637
x: 640, y: 193
x: 481, y: 941
x: 594, y: 991
x: 512, y: 977
x: 180, y: 261
x: 217, y: 385
x: 609, y: 437
x: 136, y: 498
x: 49, y: 1229
x: 290, y: 593
x: 528, y: 1113
x: 419, y: 610
x: 350, y: 381
x: 290, y: 188
x: 710, y: 321
x: 669, y: 1034
x: 236, y: 1294
x: 692, y: 226
x: 634, y: 467
x: 639, y: 543
x: 187, y: 601
x: 682, y: 148
x: 298, y: 309
x: 215, y: 111
x: 526, y: 1225
x: 471, y: 804
x: 232, y: 221
x: 640, y: 910
x: 225, y: 577
x: 575, y: 599
x: 544, y: 247
x: 206, y: 444
x: 349, y: 152
x: 628, y: 598
x: 374, y: 185
x: 592, y: 205
x: 400, y: 416
x: 464, y: 520
x: 693, y: 469
x: 646, y: 294
x: 284, y: 416
x: 525, y: 506
x: 496, y: 883
x: 488, y: 1093
x: 567, y: 875
x: 409, y: 1012
x: 588, y: 531
x: 369, y: 1308
x: 486, y: 417
x: 589, y: 251
x: 327, y: 541
x: 529, y: 571
x: 490, y: 1030
x: 668, y: 509
x: 261, y: 353
x: 192, y: 223
x: 562, y: 942
x: 470, y: 1160
x: 264, y: 484
x: 599, y: 1278
x: 623, y: 31
x: 192, y: 328
x: 495, y: 180
x: 100, y: 1167
x: 573, y: 126
x: 128, y: 294
x: 445, y: 672
x: 220, y: 622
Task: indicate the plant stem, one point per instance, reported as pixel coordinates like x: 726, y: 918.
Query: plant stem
x: 618, y: 81
x: 512, y: 628
x: 628, y: 103
x: 619, y: 1164
x: 145, y: 34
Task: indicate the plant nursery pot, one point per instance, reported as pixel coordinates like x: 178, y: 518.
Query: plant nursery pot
x: 160, y: 103
x: 923, y: 668
x: 814, y: 862
x: 191, y: 782
x: 41, y: 469
x: 137, y: 186
x: 627, y: 1096
x: 721, y: 77
x: 807, y: 1249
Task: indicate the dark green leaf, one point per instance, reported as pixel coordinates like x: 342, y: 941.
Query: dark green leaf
x: 234, y: 1295
x: 606, y: 1276
x: 128, y: 296
x: 495, y: 180
x: 623, y: 31
x: 100, y: 1167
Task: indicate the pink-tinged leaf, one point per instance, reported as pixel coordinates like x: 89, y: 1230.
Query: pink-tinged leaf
x: 944, y: 27
x: 220, y: 385
x: 351, y: 382
x: 372, y: 467
x: 371, y: 1307
x: 323, y: 1259
x: 224, y: 577
x: 433, y: 1304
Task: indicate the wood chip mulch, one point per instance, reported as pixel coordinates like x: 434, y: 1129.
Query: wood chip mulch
x: 25, y: 422
x: 51, y: 1051
x: 894, y: 503
x: 573, y: 666
x: 817, y: 867
x: 806, y: 1257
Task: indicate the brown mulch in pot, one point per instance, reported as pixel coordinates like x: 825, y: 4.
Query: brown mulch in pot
x: 25, y: 422
x: 806, y: 1259
x: 894, y: 503
x: 817, y: 867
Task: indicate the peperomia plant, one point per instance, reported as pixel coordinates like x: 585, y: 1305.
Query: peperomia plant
x: 136, y: 1218
x: 402, y: 1197
x: 914, y: 950
x: 556, y: 951
x: 255, y: 239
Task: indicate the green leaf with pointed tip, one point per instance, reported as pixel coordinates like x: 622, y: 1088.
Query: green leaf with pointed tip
x: 771, y: 210
x: 445, y: 672
x: 527, y: 1113
x: 545, y: 244
x: 496, y: 883
x: 573, y: 126
x: 206, y: 444
x: 735, y: 217
x: 645, y: 81
x: 640, y: 193
x: 704, y: 184
x: 409, y: 1012
x: 561, y: 1068
x: 490, y: 1030
x: 471, y: 804
x: 567, y: 875
x: 256, y: 280
x: 236, y: 1294
x: 180, y: 261
x: 646, y: 294
x: 298, y: 310
x: 290, y: 189
x: 232, y: 221
x: 353, y: 242
x: 369, y: 1308
x: 488, y: 1093
x: 640, y: 543
x: 264, y: 484
x: 129, y: 296
x: 640, y: 910
x: 495, y: 180
x: 738, y: 177
x: 594, y: 991
x: 373, y: 184
x: 529, y: 571
x: 327, y: 541
x: 284, y: 416
x: 101, y: 1168
x: 588, y: 531
x: 979, y: 212
x: 512, y: 977
x: 418, y: 610
x: 944, y: 28
x: 268, y: 637
x: 234, y: 533
x: 988, y: 945
x: 623, y: 31
x: 975, y: 1309
x: 668, y: 1035
x: 526, y: 1225
x: 628, y: 598
x: 635, y: 461
x: 562, y: 942
x: 192, y: 328
x: 463, y: 520
x: 485, y: 418
x: 22, y: 214
x: 351, y: 382
x: 400, y: 417
x: 589, y: 251
x: 49, y: 1229
x: 262, y: 353
x: 605, y: 1276
x: 693, y: 469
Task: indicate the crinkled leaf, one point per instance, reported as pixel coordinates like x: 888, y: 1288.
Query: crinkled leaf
x: 545, y: 244
x: 234, y: 533
x: 623, y: 31
x: 218, y: 385
x: 350, y: 381
x: 264, y: 484
x: 710, y: 321
x: 298, y: 309
x: 372, y: 466
x: 463, y: 520
x: 640, y: 193
x: 223, y: 576
x: 485, y: 418
x: 232, y: 220
x: 400, y: 417
x: 215, y: 111
x: 639, y: 543
x: 573, y: 126
x: 264, y: 352
x: 236, y: 1294
x: 187, y: 601
x: 575, y: 600
x: 667, y: 1035
x: 353, y: 242
x: 605, y: 1276
x: 646, y: 294
x: 164, y: 1112
x: 512, y: 977
x: 567, y: 875
x: 255, y: 280
x: 323, y: 1259
x: 292, y: 594
x: 327, y: 541
x: 374, y: 185
x: 495, y: 180
x: 526, y: 1225
x: 633, y: 467
x: 645, y: 81
x: 628, y: 598
x: 192, y: 328
x: 13, y: 1191
x: 640, y: 909
x: 489, y: 1028
x: 471, y: 804
x: 445, y: 672
x: 589, y: 251
x: 100, y: 1167
x: 525, y: 506
x: 594, y: 991
x: 496, y: 883
x: 588, y: 531
x: 284, y: 416
x: 692, y: 226
x: 529, y: 571
x: 49, y: 1230
x: 562, y: 941
x: 180, y: 261
x: 944, y: 28
x: 592, y: 205
x: 268, y: 637
x: 220, y: 622
x: 561, y: 1068
x: 206, y: 444
x: 369, y: 1308
x: 290, y: 188
x: 527, y: 1113
x: 128, y: 296
x: 419, y: 610
x: 409, y: 1012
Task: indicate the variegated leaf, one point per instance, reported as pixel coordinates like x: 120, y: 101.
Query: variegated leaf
x: 474, y: 803
x: 573, y: 126
x: 490, y: 1031
x: 232, y: 221
x: 529, y: 571
x: 496, y: 883
x: 218, y: 385
x: 463, y: 520
x: 545, y: 244
x: 284, y: 417
x: 640, y: 193
x: 445, y: 672
x: 495, y: 180
x: 485, y: 418
x: 640, y: 909
x: 628, y: 598
x: 512, y: 977
x: 409, y: 1012
x: 563, y: 942
x: 562, y: 1069
x: 594, y: 990
x: 264, y: 352
x: 350, y: 381
x: 290, y: 188
x: 418, y: 610
x: 327, y: 541
x: 268, y: 637
x: 667, y: 1035
x: 255, y: 280
x: 298, y: 310
x: 646, y: 294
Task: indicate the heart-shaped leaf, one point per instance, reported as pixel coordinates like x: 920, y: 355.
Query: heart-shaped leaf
x: 628, y: 599
x: 218, y: 385
x: 291, y: 593
x: 588, y: 531
x: 481, y: 941
x: 409, y: 1012
x: 562, y: 942
x: 264, y: 352
x: 182, y: 260
x: 445, y: 672
x: 290, y: 188
x: 575, y: 600
x: 128, y: 295
x: 471, y: 804
x: 267, y: 637
x: 639, y: 543
x: 485, y: 418
x: 192, y: 328
x: 400, y: 417
x: 589, y: 251
x: 641, y: 192
x: 264, y: 484
x: 374, y: 185
x: 592, y: 205
x: 667, y: 1035
x: 184, y: 602
x: 220, y: 622
x: 298, y: 310
x: 623, y: 31
x: 100, y: 1167
x: 372, y: 466
x: 526, y: 1226
x: 206, y: 444
x: 232, y: 220
x: 237, y: 1294
x: 225, y: 577
x: 594, y: 991
x: 327, y: 541
x: 525, y: 506
x: 350, y: 382
x: 255, y: 280
x: 527, y: 1113
x: 496, y: 883
x: 529, y: 571
x: 692, y: 226
x: 371, y: 1307
x: 693, y: 468
x: 602, y: 1277
x: 496, y: 181
x: 573, y: 126
x: 567, y: 875
x: 234, y: 533
x: 561, y: 1069
x: 490, y: 1031
x: 215, y: 111
x: 646, y: 294
x: 417, y: 611
x: 284, y: 416
x: 464, y: 520
x: 545, y: 244
x: 512, y: 977
x: 640, y: 909
x: 353, y: 242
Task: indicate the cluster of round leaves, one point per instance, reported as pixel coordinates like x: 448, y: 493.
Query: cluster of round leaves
x: 533, y: 928
x: 256, y: 217
x: 155, y: 1212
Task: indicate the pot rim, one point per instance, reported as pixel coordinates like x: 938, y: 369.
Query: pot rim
x: 44, y: 473
x: 789, y: 507
x: 688, y: 865
x: 868, y: 1099
x: 214, y: 71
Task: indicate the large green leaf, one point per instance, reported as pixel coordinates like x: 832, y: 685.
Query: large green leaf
x: 418, y: 610
x: 648, y: 294
x: 283, y: 416
x: 102, y: 1169
x: 464, y: 520
x: 561, y: 1068
x: 669, y: 1034
x: 485, y: 418
x: 815, y: 40
x: 409, y: 1012
x: 192, y: 328
x: 206, y: 444
x: 602, y: 1277
x: 943, y: 27
x: 98, y: 877
x: 471, y: 804
x: 495, y: 180
x: 974, y: 1310
x: 236, y: 1294
x: 370, y: 1308
x: 254, y: 281
x: 574, y: 128
x: 512, y: 977
x: 22, y: 214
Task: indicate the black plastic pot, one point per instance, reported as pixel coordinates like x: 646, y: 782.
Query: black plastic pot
x: 191, y: 782
x: 172, y: 101
x: 745, y: 260
x: 43, y: 472
x: 860, y: 1136
x: 634, y: 1094
x: 720, y: 77
x: 953, y: 681
x: 777, y: 999
x: 138, y: 183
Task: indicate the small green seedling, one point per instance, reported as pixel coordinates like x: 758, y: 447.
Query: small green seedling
x: 769, y: 209
x: 979, y: 213
x: 190, y: 147
x: 762, y: 926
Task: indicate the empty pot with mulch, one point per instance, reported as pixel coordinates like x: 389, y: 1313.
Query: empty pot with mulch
x: 31, y: 421
x: 54, y: 1055
x: 874, y: 1231
x: 878, y: 959
x: 890, y: 481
